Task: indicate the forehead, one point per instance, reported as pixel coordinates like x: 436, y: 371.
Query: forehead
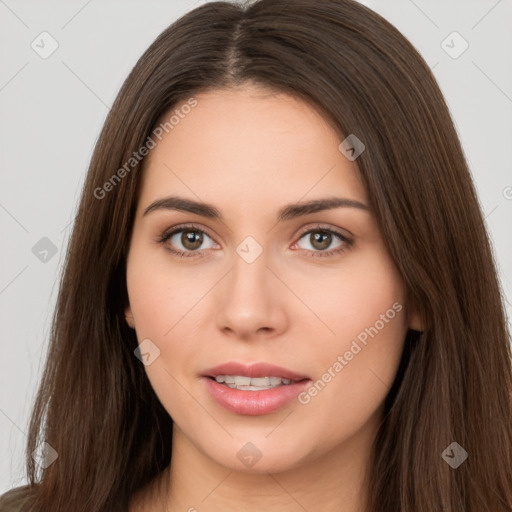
x: 251, y: 145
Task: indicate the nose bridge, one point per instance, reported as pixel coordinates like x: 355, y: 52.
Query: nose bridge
x: 250, y: 250
x: 250, y: 298
x: 250, y: 275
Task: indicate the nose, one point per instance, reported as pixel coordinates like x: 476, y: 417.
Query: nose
x: 252, y: 300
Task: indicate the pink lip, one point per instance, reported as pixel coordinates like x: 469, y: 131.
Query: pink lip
x: 254, y: 403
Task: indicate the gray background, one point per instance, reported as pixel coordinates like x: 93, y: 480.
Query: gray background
x: 52, y: 110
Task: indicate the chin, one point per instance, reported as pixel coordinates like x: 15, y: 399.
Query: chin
x: 260, y: 456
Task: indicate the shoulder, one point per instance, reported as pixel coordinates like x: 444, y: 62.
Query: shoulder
x: 15, y: 500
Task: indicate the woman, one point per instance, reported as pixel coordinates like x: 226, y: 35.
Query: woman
x: 278, y: 246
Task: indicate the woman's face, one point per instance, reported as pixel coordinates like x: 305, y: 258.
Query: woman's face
x: 311, y: 291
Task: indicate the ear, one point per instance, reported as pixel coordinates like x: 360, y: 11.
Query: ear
x: 129, y: 317
x: 413, y: 316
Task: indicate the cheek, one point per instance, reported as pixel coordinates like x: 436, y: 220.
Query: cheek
x: 352, y: 382
x: 355, y: 364
x: 165, y: 299
x: 160, y: 299
x: 161, y: 293
x: 350, y: 297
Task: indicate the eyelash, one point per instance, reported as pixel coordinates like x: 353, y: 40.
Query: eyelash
x: 191, y: 227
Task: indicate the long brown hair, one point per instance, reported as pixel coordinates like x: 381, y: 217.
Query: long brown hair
x: 95, y: 405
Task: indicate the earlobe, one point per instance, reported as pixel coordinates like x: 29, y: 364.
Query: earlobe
x: 414, y: 318
x: 129, y: 317
x: 415, y: 323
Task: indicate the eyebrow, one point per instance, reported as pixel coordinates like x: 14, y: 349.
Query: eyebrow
x: 288, y: 212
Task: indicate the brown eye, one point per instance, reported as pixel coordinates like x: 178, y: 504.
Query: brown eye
x: 186, y: 241
x: 320, y: 240
x: 191, y: 240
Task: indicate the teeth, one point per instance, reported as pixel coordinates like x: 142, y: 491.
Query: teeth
x: 242, y: 381
x: 260, y: 381
x: 275, y: 381
x: 251, y: 383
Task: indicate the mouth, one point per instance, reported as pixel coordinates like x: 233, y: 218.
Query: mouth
x: 256, y: 389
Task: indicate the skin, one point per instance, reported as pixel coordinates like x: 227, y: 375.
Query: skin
x: 249, y: 152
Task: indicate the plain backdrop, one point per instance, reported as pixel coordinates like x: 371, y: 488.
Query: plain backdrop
x: 52, y: 110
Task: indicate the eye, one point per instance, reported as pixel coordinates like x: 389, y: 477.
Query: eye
x: 186, y: 241
x: 320, y: 239
x: 189, y: 237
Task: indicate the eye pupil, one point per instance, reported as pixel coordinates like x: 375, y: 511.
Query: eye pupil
x: 326, y: 241
x: 191, y: 237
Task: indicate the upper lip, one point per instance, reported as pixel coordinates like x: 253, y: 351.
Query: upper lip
x: 259, y: 369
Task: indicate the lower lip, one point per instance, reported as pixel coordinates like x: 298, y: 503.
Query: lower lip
x: 254, y: 403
